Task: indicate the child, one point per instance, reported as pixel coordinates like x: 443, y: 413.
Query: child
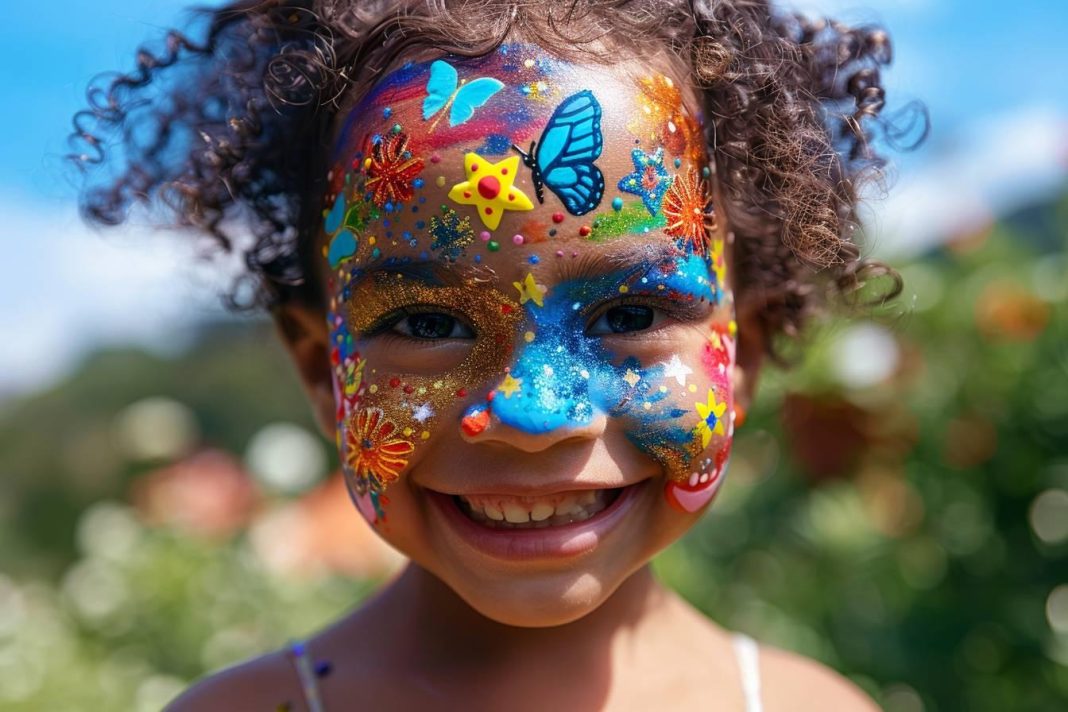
x: 528, y: 259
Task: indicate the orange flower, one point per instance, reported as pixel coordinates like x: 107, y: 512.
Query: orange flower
x: 375, y: 456
x: 685, y: 207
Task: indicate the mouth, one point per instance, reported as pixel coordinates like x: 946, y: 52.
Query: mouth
x: 555, y: 526
x: 507, y: 512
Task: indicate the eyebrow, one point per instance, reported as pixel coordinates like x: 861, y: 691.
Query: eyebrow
x: 430, y: 272
x: 628, y: 259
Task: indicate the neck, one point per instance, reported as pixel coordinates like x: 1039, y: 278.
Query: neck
x: 441, y: 629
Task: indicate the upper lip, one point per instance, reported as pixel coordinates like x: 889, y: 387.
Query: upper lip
x: 513, y: 489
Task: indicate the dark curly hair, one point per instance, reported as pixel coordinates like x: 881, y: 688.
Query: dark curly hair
x: 232, y: 130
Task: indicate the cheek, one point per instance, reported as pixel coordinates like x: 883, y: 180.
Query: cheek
x: 387, y: 411
x: 681, y: 415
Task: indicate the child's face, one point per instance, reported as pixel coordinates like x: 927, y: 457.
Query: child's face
x: 531, y: 326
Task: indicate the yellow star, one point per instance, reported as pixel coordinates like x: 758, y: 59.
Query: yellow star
x: 529, y: 290
x: 711, y: 418
x: 509, y: 385
x: 631, y: 378
x: 489, y: 187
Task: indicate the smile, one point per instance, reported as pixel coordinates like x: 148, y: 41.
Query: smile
x: 508, y: 512
x: 536, y: 527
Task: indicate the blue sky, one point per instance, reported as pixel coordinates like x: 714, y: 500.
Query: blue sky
x: 992, y: 74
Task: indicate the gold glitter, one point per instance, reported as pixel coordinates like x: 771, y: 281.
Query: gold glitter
x: 421, y: 390
x: 528, y: 337
x: 623, y: 289
x: 373, y: 389
x: 408, y: 431
x: 425, y: 435
x: 631, y: 378
x: 647, y: 405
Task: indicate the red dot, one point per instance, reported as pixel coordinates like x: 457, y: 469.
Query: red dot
x: 461, y: 393
x: 584, y: 230
x: 504, y: 171
x: 506, y: 309
x: 394, y: 382
x: 489, y: 187
x: 511, y: 196
x: 409, y: 389
x: 489, y: 211
x: 490, y: 396
x: 558, y: 217
x: 467, y: 194
x: 474, y: 168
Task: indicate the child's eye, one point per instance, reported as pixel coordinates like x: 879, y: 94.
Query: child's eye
x: 624, y: 319
x: 431, y: 325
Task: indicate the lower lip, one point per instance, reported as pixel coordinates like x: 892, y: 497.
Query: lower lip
x: 565, y: 541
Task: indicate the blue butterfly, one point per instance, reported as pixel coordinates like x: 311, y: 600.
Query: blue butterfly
x: 444, y: 88
x: 563, y: 160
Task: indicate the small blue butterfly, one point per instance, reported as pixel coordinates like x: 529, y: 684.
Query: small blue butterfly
x: 563, y: 160
x: 444, y: 88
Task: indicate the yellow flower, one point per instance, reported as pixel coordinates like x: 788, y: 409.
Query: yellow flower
x: 711, y: 414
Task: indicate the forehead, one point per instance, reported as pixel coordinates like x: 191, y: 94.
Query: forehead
x: 513, y: 158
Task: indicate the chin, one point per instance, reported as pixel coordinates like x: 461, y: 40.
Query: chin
x: 537, y: 603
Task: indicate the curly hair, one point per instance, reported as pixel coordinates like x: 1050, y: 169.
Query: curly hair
x: 233, y: 129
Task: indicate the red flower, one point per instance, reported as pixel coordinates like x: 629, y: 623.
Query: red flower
x: 391, y: 168
x: 375, y: 456
x: 685, y: 207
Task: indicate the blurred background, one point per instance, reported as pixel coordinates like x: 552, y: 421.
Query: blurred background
x: 897, y: 505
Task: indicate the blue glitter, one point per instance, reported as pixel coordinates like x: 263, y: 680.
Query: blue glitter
x: 418, y: 183
x: 387, y: 112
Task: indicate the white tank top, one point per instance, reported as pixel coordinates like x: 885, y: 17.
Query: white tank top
x: 745, y: 650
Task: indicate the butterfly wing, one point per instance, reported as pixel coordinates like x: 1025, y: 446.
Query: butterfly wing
x: 570, y: 144
x: 471, y: 96
x: 439, y: 87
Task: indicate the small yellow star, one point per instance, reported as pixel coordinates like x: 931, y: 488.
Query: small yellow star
x: 510, y: 385
x: 631, y: 378
x: 715, y: 340
x: 489, y: 187
x: 529, y: 290
x: 711, y: 418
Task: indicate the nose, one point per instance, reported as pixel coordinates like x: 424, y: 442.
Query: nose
x: 483, y: 424
x: 533, y: 409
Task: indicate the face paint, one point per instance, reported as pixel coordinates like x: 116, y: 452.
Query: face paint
x: 448, y: 175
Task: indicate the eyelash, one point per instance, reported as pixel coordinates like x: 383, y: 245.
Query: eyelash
x: 383, y: 327
x: 685, y: 312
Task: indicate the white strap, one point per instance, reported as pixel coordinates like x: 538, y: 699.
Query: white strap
x: 745, y: 649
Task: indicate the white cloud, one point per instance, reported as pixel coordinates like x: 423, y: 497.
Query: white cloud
x: 68, y: 289
x: 991, y: 167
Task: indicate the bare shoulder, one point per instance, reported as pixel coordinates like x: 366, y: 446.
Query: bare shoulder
x: 799, y: 684
x: 263, y: 683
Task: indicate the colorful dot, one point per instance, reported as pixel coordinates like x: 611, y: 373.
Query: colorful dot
x: 584, y: 230
x: 440, y: 181
x: 528, y: 337
x: 534, y: 259
x: 493, y: 245
x: 484, y: 236
x: 617, y: 204
x: 518, y: 239
x: 558, y: 217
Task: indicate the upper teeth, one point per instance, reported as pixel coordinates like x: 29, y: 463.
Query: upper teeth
x: 567, y: 507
